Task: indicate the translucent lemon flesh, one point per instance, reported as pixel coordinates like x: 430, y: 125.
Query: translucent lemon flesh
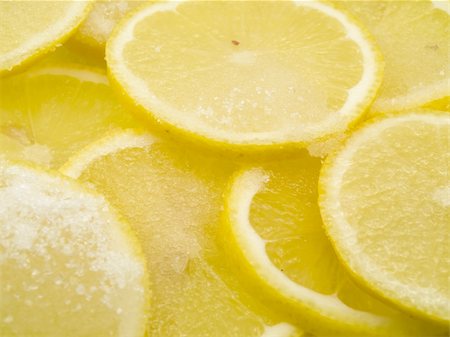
x: 277, y: 231
x: 414, y: 39
x: 50, y: 112
x: 69, y: 266
x: 31, y: 28
x: 172, y: 197
x: 386, y: 207
x: 442, y: 104
x: 249, y: 73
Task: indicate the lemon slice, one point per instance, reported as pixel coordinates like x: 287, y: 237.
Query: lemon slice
x: 414, y: 39
x: 48, y: 113
x: 69, y: 266
x: 256, y: 73
x: 172, y: 197
x: 385, y: 203
x: 33, y: 28
x: 96, y: 29
x: 275, y: 231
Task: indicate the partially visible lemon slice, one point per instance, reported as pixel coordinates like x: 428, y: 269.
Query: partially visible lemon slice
x: 173, y: 197
x: 414, y: 39
x: 96, y: 29
x: 69, y: 266
x: 50, y: 112
x: 386, y: 207
x: 246, y: 73
x: 275, y: 232
x: 31, y: 28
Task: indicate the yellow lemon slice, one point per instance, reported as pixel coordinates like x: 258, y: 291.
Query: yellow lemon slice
x: 414, y: 39
x: 172, y: 198
x: 32, y: 28
x: 50, y: 112
x: 385, y: 202
x: 275, y: 232
x: 69, y: 266
x: 256, y: 73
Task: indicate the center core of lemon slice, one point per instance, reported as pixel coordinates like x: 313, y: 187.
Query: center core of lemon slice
x: 243, y: 57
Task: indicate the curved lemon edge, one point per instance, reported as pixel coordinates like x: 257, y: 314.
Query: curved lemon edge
x: 88, y: 43
x: 111, y: 142
x: 415, y: 98
x: 124, y: 227
x: 337, y: 323
x: 326, y: 179
x: 119, y: 140
x: 50, y: 46
x: 80, y: 72
x: 199, y: 138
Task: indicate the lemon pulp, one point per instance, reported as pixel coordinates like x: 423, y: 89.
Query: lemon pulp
x: 386, y: 208
x: 172, y: 197
x: 69, y: 266
x: 294, y: 72
x: 50, y: 112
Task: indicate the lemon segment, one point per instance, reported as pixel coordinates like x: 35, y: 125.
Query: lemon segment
x: 96, y: 29
x: 384, y: 200
x: 172, y: 198
x: 276, y: 234
x: 69, y: 266
x: 50, y: 112
x: 31, y: 28
x: 296, y: 72
x: 414, y: 39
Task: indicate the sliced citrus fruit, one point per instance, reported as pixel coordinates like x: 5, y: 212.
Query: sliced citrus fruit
x: 48, y: 113
x: 69, y: 266
x: 31, y: 28
x: 172, y: 197
x: 96, y: 29
x: 414, y: 39
x: 294, y: 72
x: 385, y: 203
x: 275, y: 231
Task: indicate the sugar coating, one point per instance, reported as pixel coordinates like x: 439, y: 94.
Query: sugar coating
x: 62, y: 249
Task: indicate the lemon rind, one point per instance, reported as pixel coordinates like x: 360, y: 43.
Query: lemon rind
x: 31, y: 54
x: 334, y: 317
x: 111, y: 143
x: 129, y: 235
x: 332, y: 166
x: 117, y: 69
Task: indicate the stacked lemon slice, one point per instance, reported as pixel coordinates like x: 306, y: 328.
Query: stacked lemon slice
x: 190, y: 199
